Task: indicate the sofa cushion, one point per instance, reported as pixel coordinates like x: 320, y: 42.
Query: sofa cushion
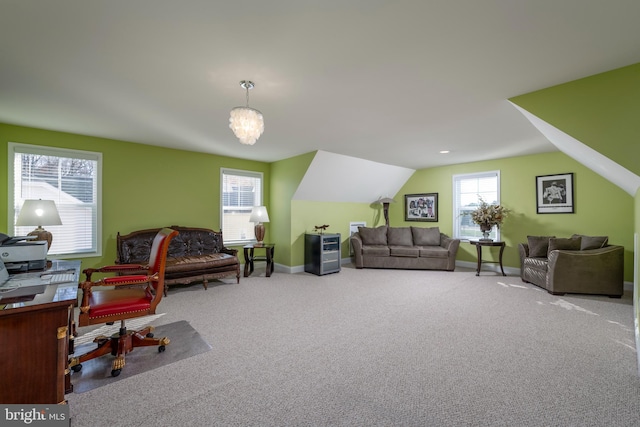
x: 426, y: 236
x: 411, y: 251
x: 375, y: 250
x: 592, y: 242
x: 399, y: 236
x: 538, y: 245
x: 373, y: 236
x: 433, y: 252
x: 571, y: 244
x: 199, y: 263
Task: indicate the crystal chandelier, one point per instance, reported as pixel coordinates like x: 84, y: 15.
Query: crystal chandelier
x: 246, y: 123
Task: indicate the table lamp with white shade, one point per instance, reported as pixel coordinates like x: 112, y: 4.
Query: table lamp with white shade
x: 39, y: 212
x: 259, y: 215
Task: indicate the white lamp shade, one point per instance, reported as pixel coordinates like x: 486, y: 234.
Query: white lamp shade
x: 259, y: 214
x: 38, y: 213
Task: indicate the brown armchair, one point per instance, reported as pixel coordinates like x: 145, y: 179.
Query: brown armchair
x: 132, y: 296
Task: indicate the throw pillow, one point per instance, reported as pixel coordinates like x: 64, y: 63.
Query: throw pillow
x: 373, y: 236
x: 538, y: 245
x: 592, y: 242
x: 399, y: 236
x: 572, y: 244
x: 426, y: 236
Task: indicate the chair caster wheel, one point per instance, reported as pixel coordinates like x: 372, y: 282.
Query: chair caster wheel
x: 150, y: 335
x: 77, y: 367
x: 161, y: 349
x: 115, y: 372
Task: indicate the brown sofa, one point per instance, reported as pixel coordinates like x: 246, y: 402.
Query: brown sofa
x: 195, y: 255
x: 579, y: 264
x: 404, y: 247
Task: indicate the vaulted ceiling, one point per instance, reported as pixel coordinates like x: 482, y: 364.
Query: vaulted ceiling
x: 393, y: 82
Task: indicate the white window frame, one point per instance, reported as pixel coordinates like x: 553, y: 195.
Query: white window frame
x: 463, y: 226
x: 13, y: 204
x: 249, y: 234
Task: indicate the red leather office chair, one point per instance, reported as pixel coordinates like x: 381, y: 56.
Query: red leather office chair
x: 124, y: 302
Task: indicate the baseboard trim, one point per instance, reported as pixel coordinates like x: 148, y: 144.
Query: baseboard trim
x: 510, y: 271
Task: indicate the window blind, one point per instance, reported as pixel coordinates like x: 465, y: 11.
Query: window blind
x: 71, y: 179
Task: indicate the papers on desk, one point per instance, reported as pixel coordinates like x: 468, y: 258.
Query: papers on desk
x: 31, y: 284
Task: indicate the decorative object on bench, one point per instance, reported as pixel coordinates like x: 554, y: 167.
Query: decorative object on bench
x: 487, y: 216
x: 404, y: 247
x: 579, y: 264
x: 259, y: 215
x: 102, y: 306
x: 195, y: 255
x: 320, y: 228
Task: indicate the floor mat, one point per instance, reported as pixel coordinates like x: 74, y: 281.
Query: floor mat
x: 185, y: 342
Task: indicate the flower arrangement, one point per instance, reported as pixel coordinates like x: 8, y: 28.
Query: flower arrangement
x: 487, y: 215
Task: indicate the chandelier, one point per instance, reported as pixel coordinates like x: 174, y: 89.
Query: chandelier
x: 246, y: 123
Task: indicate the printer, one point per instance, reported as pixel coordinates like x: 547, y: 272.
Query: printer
x: 21, y: 253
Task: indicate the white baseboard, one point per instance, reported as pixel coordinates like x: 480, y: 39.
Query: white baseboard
x: 510, y: 271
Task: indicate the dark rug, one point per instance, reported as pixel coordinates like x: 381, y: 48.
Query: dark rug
x: 185, y: 342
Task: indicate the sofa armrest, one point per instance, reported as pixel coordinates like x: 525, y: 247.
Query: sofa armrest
x: 451, y: 245
x: 356, y: 245
x: 523, y: 251
x: 592, y: 271
x: 229, y: 251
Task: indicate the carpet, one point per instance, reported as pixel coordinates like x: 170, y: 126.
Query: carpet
x: 185, y: 342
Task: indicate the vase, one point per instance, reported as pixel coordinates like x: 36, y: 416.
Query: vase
x: 486, y: 231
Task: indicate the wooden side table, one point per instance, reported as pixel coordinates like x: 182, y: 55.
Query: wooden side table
x: 250, y: 258
x: 479, y: 244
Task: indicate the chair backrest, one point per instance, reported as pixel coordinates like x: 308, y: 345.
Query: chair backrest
x: 158, y: 258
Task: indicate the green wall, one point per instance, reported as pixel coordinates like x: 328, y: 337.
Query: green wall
x: 143, y: 186
x: 286, y: 175
x: 600, y: 111
x: 307, y: 214
x: 601, y: 208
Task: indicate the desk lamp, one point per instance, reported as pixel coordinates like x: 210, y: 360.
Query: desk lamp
x: 39, y: 212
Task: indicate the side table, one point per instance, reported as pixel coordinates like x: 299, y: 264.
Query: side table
x: 250, y: 258
x: 479, y: 244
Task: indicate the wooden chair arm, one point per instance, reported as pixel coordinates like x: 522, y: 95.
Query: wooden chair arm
x: 122, y: 268
x: 139, y: 279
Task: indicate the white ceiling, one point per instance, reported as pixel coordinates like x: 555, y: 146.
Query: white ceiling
x: 393, y: 82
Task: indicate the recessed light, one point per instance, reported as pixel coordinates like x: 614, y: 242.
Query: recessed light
x: 444, y: 151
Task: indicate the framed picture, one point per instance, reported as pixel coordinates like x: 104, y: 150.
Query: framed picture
x: 554, y: 193
x: 421, y: 207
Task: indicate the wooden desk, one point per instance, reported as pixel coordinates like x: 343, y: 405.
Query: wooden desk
x: 34, y: 344
x: 479, y: 244
x: 249, y: 258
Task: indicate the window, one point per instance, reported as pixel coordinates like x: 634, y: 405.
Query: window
x: 240, y: 192
x: 72, y: 179
x: 468, y: 189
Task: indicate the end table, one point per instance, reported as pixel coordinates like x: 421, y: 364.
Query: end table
x: 479, y: 244
x: 249, y: 257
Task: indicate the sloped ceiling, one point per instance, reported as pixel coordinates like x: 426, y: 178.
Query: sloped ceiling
x: 338, y: 178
